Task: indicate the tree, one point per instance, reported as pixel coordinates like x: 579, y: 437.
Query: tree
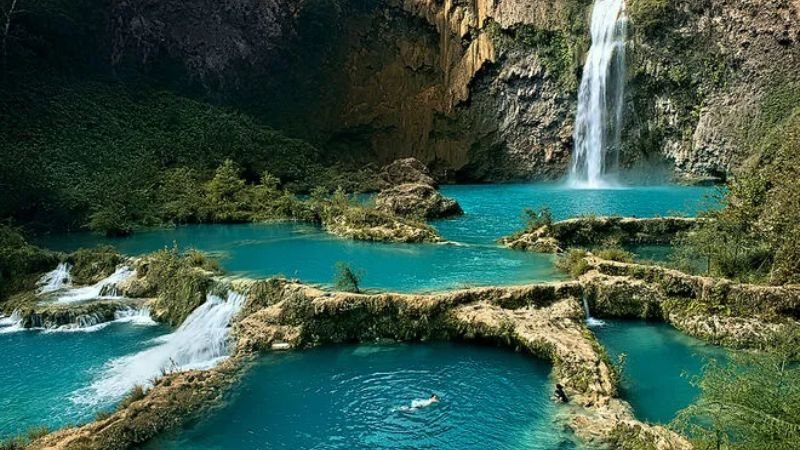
x: 752, y: 402
x: 225, y: 194
x: 347, y: 279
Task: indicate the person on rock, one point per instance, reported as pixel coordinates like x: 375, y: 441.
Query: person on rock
x: 560, y: 396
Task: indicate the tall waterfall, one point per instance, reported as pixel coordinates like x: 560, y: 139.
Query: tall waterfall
x: 200, y: 342
x: 599, y: 119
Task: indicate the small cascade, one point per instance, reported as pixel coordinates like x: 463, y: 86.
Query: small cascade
x: 590, y: 321
x: 598, y: 122
x: 11, y: 323
x: 200, y: 342
x: 57, y: 279
x: 136, y: 316
x: 105, y: 288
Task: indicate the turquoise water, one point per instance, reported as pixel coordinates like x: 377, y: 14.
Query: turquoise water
x: 41, y: 372
x: 659, y: 365
x: 492, y: 211
x: 358, y: 397
x: 305, y: 252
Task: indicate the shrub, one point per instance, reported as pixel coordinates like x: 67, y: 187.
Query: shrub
x: 536, y: 219
x: 573, y: 262
x: 136, y: 393
x: 615, y: 254
x: 346, y: 278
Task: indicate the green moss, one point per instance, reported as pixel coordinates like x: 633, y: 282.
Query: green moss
x: 90, y: 265
x: 179, y: 281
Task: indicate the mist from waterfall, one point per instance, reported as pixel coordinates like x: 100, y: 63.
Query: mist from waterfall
x: 598, y: 122
x: 200, y: 342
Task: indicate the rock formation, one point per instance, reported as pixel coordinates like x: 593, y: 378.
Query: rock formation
x: 417, y: 200
x: 599, y: 231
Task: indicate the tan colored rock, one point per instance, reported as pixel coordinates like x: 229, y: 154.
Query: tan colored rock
x: 404, y: 171
x: 417, y: 200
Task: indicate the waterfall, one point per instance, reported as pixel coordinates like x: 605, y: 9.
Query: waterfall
x: 598, y: 122
x: 58, y: 278
x: 105, y: 288
x: 200, y: 342
x: 591, y: 321
x: 12, y: 323
x: 88, y: 323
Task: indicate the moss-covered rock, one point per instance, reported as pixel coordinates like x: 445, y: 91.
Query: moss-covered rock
x: 90, y: 265
x: 599, y: 231
x: 21, y: 263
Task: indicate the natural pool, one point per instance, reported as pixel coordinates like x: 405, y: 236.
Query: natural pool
x: 659, y: 365
x: 352, y: 397
x: 492, y: 211
x: 43, y: 372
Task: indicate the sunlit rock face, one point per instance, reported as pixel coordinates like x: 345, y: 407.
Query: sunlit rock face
x: 477, y: 90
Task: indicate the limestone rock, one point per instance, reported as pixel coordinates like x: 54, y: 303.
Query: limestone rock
x: 417, y: 200
x: 403, y: 171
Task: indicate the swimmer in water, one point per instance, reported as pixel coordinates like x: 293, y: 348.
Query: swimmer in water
x: 417, y: 404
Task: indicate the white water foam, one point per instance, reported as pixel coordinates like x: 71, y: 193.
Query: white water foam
x: 591, y: 321
x: 11, y: 323
x: 201, y: 342
x: 90, y: 324
x: 56, y: 279
x: 106, y: 288
x: 598, y: 122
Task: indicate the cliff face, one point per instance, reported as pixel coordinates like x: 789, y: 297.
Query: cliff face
x: 478, y: 89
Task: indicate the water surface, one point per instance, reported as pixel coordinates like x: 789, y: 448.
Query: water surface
x: 472, y: 259
x: 42, y: 372
x: 359, y: 397
x: 660, y: 363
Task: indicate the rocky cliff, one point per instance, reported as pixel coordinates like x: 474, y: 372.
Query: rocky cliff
x: 477, y: 89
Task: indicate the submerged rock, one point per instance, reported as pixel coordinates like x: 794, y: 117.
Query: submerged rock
x: 417, y: 200
x: 403, y: 171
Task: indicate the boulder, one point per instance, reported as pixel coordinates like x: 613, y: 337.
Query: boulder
x: 402, y: 171
x: 417, y: 200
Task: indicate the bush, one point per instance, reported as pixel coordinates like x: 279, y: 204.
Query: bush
x: 573, y: 262
x: 20, y: 262
x: 137, y: 393
x: 615, y: 254
x: 180, y: 286
x: 536, y: 219
x: 347, y: 279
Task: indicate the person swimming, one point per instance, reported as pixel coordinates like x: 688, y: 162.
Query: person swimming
x: 417, y: 404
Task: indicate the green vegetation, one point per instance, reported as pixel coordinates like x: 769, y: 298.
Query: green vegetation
x: 756, y: 236
x: 112, y: 158
x: 573, y: 262
x: 560, y: 49
x: 20, y: 262
x: 614, y: 254
x: 749, y: 403
x: 536, y: 219
x: 179, y: 281
x: 347, y: 279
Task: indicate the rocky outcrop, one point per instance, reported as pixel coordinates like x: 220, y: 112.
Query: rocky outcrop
x: 714, y: 310
x: 706, y: 105
x: 599, y: 231
x: 367, y: 224
x: 405, y: 171
x: 417, y: 200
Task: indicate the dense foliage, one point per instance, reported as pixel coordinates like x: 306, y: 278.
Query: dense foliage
x: 756, y: 236
x: 20, y: 262
x: 749, y: 403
